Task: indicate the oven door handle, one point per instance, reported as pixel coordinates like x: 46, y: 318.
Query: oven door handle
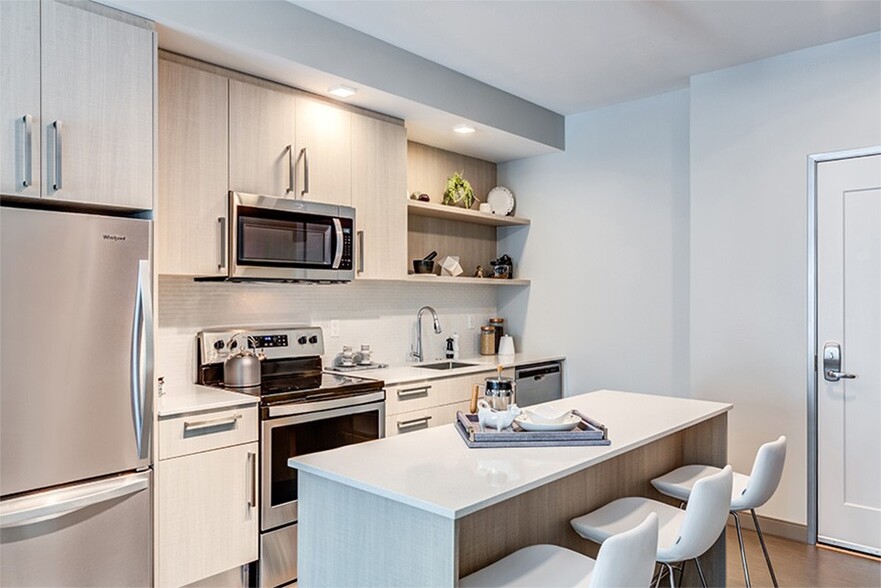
x: 338, y: 257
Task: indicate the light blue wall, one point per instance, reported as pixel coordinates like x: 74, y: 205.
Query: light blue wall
x: 752, y: 129
x: 607, y: 250
x: 668, y: 245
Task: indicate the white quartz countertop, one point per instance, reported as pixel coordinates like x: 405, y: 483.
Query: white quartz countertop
x: 435, y: 471
x: 191, y: 398
x: 411, y: 372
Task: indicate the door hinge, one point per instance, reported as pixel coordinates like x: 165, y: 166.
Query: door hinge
x: 815, y: 362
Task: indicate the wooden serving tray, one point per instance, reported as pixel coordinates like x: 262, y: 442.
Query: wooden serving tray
x: 588, y: 432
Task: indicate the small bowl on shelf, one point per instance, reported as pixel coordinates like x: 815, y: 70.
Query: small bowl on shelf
x: 423, y: 266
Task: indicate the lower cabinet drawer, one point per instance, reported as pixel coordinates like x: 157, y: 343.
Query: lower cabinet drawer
x: 410, y: 397
x: 407, y: 422
x: 187, y: 434
x: 459, y: 389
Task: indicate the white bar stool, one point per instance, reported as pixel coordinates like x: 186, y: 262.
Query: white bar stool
x: 747, y: 493
x: 682, y: 535
x: 627, y: 559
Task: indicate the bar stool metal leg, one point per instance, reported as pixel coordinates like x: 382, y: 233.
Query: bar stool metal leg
x: 764, y: 548
x: 742, y: 550
x: 670, y: 570
x: 700, y: 572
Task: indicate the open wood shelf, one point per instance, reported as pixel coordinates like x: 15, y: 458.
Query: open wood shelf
x: 449, y: 280
x: 431, y: 210
x: 463, y: 280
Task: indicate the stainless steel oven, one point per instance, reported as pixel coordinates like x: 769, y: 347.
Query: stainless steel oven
x: 285, y: 437
x: 302, y: 410
x: 282, y: 239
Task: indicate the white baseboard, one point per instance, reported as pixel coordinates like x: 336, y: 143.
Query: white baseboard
x: 785, y: 529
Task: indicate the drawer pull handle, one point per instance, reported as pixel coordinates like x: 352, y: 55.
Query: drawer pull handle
x: 413, y: 392
x: 412, y: 423
x: 211, y: 423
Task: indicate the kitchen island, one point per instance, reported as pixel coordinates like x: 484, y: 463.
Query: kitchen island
x: 423, y: 509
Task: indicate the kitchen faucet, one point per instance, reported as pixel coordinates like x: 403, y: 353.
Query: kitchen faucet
x: 418, y: 354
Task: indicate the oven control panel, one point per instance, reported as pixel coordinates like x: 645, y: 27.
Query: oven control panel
x: 215, y: 345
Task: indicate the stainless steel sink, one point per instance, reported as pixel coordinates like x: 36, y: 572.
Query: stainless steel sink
x: 445, y: 365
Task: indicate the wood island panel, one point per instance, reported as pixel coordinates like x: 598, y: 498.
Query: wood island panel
x: 542, y: 515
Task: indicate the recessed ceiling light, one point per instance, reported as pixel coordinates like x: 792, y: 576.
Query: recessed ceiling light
x: 342, y: 91
x: 463, y: 129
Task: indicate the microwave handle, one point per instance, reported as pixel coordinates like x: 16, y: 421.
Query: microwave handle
x: 338, y: 226
x: 304, y: 154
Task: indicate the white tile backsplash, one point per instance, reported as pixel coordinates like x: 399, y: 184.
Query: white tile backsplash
x: 381, y: 314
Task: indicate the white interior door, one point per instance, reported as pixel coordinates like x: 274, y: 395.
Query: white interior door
x: 849, y: 352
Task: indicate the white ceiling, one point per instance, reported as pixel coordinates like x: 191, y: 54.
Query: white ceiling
x: 574, y: 56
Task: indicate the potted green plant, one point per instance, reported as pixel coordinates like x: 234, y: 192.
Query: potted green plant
x: 459, y: 191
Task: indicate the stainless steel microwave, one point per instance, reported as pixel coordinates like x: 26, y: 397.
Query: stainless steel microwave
x: 287, y: 240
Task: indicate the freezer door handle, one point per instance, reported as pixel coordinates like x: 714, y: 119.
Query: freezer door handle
x: 30, y: 510
x: 142, y: 349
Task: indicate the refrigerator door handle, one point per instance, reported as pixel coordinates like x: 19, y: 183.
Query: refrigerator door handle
x: 142, y: 345
x: 30, y: 510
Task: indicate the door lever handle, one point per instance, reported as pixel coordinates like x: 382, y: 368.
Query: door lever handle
x: 834, y: 376
x: 832, y: 363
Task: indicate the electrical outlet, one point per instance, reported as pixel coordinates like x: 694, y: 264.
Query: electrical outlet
x: 334, y: 328
x: 470, y: 321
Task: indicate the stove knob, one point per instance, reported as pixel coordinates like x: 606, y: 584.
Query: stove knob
x: 302, y: 340
x: 313, y: 339
x: 218, y: 345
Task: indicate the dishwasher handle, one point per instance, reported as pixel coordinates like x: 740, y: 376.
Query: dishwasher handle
x: 537, y: 372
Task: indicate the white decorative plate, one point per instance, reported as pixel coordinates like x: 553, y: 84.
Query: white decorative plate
x: 500, y: 200
x: 567, y: 425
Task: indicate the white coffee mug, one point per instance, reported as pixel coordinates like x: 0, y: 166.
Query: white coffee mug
x: 485, y: 207
x: 506, y: 345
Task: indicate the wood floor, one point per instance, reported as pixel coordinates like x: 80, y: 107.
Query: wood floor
x: 798, y: 564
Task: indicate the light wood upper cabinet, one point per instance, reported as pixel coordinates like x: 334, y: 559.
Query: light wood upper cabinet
x: 379, y: 190
x: 20, y: 98
x: 262, y: 140
x: 193, y: 171
x: 325, y: 133
x: 83, y: 75
x: 97, y: 107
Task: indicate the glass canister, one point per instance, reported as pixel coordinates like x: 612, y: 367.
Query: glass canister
x: 487, y: 340
x: 499, y: 324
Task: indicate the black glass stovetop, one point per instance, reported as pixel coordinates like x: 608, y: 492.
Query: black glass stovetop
x: 293, y: 381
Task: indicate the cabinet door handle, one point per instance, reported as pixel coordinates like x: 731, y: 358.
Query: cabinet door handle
x: 27, y: 172
x: 56, y: 126
x: 252, y: 463
x: 412, y: 392
x: 360, y: 252
x: 414, y: 422
x: 211, y: 423
x: 221, y: 220
x: 304, y: 154
x: 290, y: 188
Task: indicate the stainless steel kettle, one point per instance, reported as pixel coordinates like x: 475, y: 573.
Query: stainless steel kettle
x: 241, y: 369
x: 498, y: 392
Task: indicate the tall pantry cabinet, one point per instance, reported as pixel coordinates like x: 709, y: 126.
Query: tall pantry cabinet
x: 77, y: 104
x: 193, y: 170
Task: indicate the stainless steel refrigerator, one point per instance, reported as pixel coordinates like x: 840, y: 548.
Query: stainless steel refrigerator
x: 76, y: 359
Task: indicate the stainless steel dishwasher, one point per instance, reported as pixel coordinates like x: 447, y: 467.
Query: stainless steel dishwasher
x: 538, y: 382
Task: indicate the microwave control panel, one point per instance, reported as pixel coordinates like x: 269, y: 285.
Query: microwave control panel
x: 346, y: 259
